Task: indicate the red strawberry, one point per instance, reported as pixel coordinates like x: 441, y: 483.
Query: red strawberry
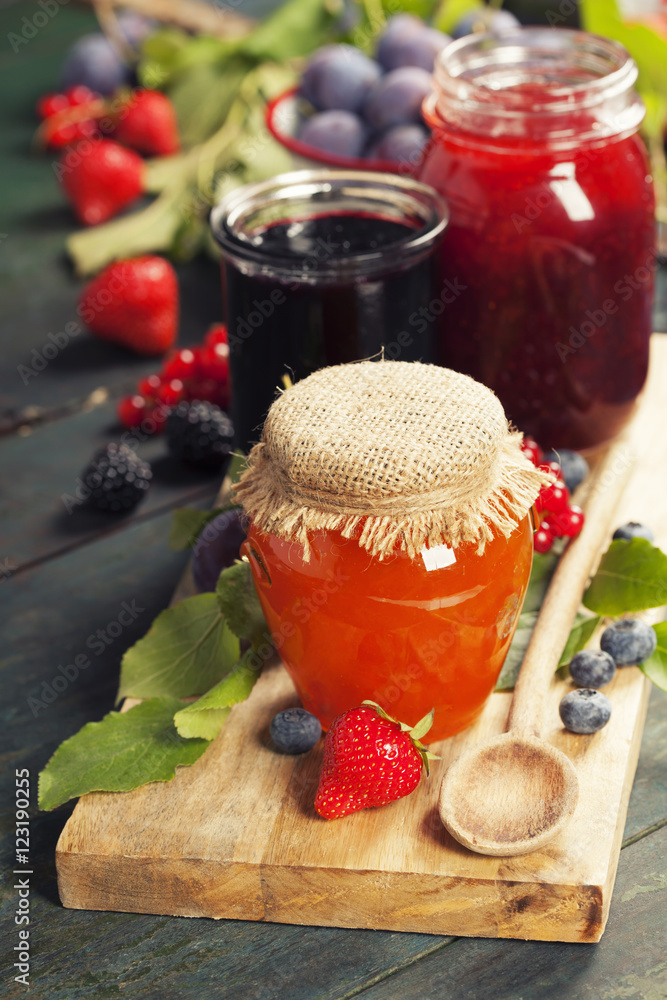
x: 133, y: 303
x: 100, y: 178
x: 370, y: 760
x: 148, y: 124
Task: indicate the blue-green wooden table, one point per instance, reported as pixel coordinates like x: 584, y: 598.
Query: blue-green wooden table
x: 64, y: 576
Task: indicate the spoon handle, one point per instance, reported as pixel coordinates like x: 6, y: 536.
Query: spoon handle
x: 606, y: 484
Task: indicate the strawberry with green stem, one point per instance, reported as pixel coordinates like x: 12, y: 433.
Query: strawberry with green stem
x: 370, y: 759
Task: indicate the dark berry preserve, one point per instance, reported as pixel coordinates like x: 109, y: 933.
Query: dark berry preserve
x: 322, y: 269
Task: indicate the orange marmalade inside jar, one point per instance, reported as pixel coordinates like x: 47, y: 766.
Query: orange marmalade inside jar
x: 390, y: 539
x: 403, y: 632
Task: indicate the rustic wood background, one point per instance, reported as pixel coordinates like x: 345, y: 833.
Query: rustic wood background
x: 64, y: 577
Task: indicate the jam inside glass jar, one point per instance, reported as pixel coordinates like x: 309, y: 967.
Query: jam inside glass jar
x: 409, y: 634
x: 551, y: 235
x: 321, y: 268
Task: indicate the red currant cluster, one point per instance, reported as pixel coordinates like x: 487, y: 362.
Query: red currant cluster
x: 64, y: 124
x: 558, y: 517
x: 200, y: 372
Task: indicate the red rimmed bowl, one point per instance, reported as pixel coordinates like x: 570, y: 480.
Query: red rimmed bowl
x: 284, y: 116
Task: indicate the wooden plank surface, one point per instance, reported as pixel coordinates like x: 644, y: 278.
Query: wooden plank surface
x: 51, y: 609
x: 41, y: 515
x: 255, y: 848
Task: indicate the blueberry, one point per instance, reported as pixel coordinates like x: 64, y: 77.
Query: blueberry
x: 497, y: 22
x: 584, y: 710
x: 633, y: 529
x: 340, y: 132
x: 295, y: 730
x: 339, y: 77
x: 412, y: 46
x: 397, y: 98
x: 93, y: 62
x: 401, y: 144
x: 217, y: 548
x: 628, y: 641
x: 592, y: 668
x: 574, y: 467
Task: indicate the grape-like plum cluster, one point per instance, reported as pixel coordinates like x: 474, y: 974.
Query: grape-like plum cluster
x: 371, y: 108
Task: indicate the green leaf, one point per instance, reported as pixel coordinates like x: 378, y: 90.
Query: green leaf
x: 580, y: 633
x: 631, y: 577
x: 187, y: 524
x: 646, y: 46
x: 203, y: 96
x: 655, y: 667
x: 540, y: 578
x: 582, y: 630
x: 420, y: 729
x: 516, y: 652
x: 123, y: 751
x: 296, y: 28
x: 206, y: 715
x: 239, y: 604
x: 187, y: 650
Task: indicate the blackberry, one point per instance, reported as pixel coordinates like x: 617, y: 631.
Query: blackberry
x: 116, y: 478
x: 199, y: 433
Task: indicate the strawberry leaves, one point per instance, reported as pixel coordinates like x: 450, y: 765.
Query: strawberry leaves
x: 187, y: 650
x: 121, y: 752
x: 416, y: 732
x: 190, y: 649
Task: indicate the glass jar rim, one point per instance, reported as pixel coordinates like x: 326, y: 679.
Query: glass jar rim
x: 320, y: 190
x: 577, y: 72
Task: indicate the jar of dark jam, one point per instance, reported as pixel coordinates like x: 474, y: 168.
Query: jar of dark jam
x: 325, y: 267
x: 551, y: 230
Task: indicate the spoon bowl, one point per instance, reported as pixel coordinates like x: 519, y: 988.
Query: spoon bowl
x: 508, y: 796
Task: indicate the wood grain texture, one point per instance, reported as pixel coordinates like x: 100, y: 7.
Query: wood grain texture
x: 628, y: 964
x: 253, y: 846
x: 41, y: 516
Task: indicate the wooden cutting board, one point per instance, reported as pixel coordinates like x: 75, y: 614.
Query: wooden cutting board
x: 236, y: 835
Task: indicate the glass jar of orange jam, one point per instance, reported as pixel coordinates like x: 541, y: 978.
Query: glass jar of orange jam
x: 410, y: 634
x: 390, y: 539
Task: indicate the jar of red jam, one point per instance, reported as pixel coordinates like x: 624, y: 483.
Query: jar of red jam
x: 390, y: 539
x: 551, y: 235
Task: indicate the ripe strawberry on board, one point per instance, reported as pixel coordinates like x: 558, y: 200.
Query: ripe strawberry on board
x: 100, y: 179
x: 147, y: 123
x: 133, y: 303
x: 370, y: 760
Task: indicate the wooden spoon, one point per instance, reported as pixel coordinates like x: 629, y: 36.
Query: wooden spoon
x: 512, y: 794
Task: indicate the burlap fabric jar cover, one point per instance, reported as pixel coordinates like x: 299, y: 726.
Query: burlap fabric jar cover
x: 404, y: 483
